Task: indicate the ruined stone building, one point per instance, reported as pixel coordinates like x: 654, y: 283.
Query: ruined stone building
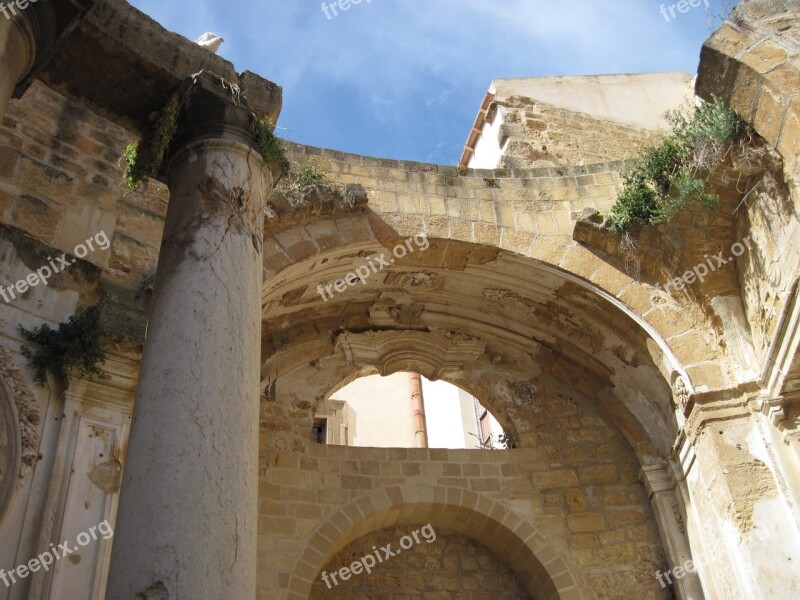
x: 654, y: 424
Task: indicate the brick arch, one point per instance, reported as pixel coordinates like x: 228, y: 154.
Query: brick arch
x: 545, y: 573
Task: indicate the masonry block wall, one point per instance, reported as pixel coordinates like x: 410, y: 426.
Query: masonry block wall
x: 497, y: 206
x: 573, y: 485
x: 542, y: 135
x: 755, y: 70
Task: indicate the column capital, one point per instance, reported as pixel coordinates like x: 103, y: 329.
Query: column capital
x: 731, y: 404
x: 205, y: 107
x: 211, y: 108
x: 773, y: 408
x: 656, y: 479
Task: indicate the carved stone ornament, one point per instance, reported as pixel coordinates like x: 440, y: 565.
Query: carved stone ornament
x: 681, y: 393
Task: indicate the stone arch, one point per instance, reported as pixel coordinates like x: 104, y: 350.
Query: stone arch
x: 691, y: 342
x: 546, y: 312
x: 543, y: 572
x: 294, y: 251
x: 321, y: 370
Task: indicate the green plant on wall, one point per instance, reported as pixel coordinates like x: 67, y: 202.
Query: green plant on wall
x: 145, y: 157
x: 71, y: 350
x: 667, y: 177
x: 268, y: 144
x: 308, y: 176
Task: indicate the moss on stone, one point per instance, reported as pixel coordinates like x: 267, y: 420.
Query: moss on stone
x: 268, y: 144
x: 146, y: 157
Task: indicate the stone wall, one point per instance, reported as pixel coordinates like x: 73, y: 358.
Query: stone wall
x: 752, y: 65
x: 556, y: 335
x: 520, y: 202
x: 61, y: 165
x: 450, y: 567
x: 574, y: 482
x: 64, y: 183
x: 541, y: 135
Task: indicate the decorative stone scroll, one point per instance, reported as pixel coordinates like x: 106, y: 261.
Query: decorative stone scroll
x: 437, y: 354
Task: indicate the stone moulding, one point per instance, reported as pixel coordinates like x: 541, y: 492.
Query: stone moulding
x: 27, y: 410
x: 19, y: 412
x: 782, y: 351
x: 287, y: 208
x: 436, y: 355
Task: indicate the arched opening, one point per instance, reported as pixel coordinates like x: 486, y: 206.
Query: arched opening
x: 418, y: 557
x: 407, y: 410
x: 586, y: 395
x: 515, y: 546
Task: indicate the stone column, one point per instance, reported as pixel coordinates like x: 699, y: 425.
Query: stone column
x: 17, y: 54
x: 187, y: 521
x: 671, y: 525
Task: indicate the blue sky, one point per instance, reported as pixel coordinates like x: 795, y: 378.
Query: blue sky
x: 404, y: 79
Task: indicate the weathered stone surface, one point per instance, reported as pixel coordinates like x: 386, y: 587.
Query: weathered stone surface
x: 595, y: 403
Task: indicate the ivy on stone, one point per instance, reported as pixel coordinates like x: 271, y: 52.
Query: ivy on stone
x: 71, y: 350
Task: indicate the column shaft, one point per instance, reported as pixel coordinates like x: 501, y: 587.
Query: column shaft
x: 187, y: 523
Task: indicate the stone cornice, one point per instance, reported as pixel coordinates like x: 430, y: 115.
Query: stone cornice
x: 720, y: 405
x: 123, y: 65
x: 287, y: 208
